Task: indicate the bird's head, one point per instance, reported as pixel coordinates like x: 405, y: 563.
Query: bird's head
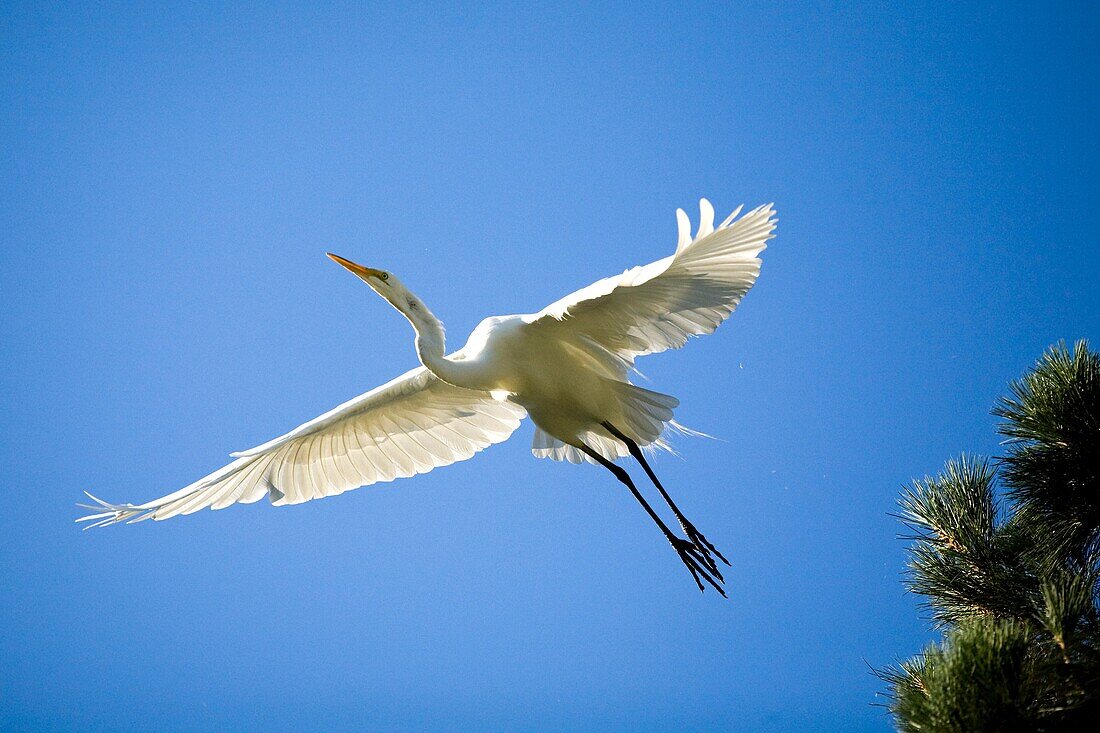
x: 385, y: 284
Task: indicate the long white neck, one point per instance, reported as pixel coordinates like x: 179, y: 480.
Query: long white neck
x: 431, y: 345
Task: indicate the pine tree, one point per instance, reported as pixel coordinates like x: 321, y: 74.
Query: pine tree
x: 1007, y: 555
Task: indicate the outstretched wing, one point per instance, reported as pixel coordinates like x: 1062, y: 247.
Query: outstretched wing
x: 660, y: 305
x: 407, y: 426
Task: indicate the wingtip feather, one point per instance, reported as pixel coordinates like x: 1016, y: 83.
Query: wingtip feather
x: 706, y: 218
x: 683, y: 225
x: 113, y: 513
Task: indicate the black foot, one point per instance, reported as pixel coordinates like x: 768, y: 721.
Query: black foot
x: 706, y: 549
x: 699, y: 564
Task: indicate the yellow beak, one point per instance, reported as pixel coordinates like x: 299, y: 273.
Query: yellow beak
x: 363, y: 272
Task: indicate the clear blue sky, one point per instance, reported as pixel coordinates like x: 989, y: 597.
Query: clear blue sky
x: 173, y: 176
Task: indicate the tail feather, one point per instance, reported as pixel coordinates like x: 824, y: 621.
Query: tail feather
x: 643, y: 415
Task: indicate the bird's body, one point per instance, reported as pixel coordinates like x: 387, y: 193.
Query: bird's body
x: 566, y: 390
x: 567, y: 367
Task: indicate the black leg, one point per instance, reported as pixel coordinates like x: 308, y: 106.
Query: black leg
x: 696, y: 561
x: 689, y: 529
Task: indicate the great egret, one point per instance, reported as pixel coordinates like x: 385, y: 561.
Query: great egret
x: 566, y: 366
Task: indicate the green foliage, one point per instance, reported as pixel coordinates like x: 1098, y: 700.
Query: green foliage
x: 1052, y: 472
x: 963, y: 562
x: 973, y: 681
x: 1014, y: 585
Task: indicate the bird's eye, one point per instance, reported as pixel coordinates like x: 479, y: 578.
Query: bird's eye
x: 385, y: 276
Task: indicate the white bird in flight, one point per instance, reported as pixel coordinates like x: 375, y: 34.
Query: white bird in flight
x: 566, y: 366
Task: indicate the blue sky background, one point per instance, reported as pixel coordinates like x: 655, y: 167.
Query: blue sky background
x: 173, y: 176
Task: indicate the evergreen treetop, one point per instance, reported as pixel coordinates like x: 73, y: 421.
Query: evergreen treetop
x: 1012, y: 582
